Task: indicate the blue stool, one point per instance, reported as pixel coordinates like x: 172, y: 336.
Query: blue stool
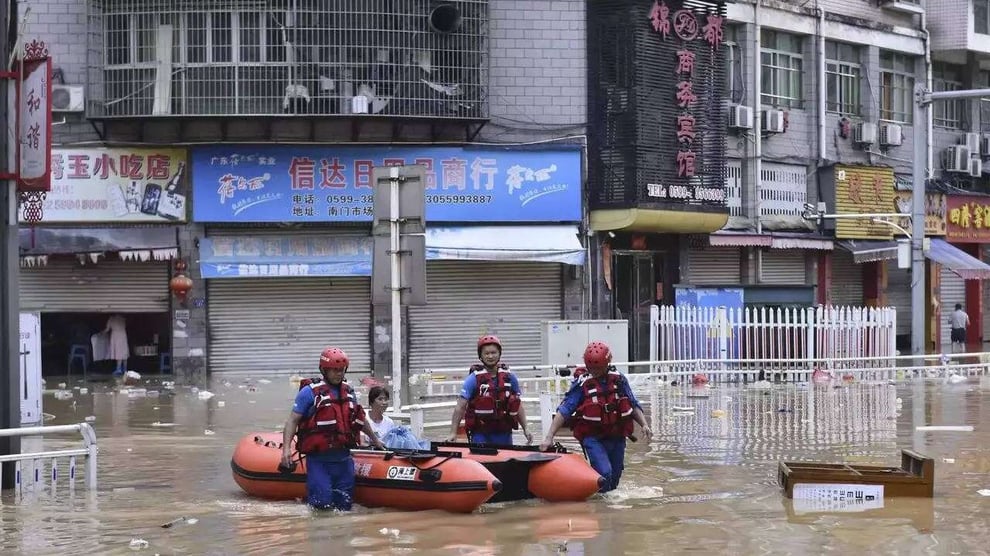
x: 78, y: 352
x: 165, y: 362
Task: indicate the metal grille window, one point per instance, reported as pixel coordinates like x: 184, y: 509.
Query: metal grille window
x: 781, y: 60
x: 947, y: 113
x: 253, y: 57
x: 896, y: 87
x: 981, y: 16
x: 842, y: 78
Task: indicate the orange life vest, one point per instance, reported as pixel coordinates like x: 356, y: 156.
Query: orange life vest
x: 494, y: 406
x: 335, y: 422
x: 605, y: 411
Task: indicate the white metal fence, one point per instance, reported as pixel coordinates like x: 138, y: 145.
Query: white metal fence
x: 773, y: 339
x: 36, y: 470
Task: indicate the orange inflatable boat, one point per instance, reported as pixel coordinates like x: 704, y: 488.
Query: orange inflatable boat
x: 525, y: 472
x: 435, y: 480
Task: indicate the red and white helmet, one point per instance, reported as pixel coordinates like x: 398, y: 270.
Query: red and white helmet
x: 489, y: 339
x: 334, y: 358
x: 597, y: 355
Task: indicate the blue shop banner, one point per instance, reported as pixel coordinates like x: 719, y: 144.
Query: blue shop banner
x: 260, y: 256
x: 286, y: 183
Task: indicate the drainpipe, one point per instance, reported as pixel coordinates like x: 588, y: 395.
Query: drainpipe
x: 757, y: 102
x: 822, y: 119
x: 926, y: 37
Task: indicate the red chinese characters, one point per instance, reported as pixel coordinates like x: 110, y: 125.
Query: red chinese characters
x: 685, y: 94
x: 660, y: 18
x: 712, y: 31
x: 363, y: 169
x: 332, y: 174
x: 685, y: 62
x: 685, y: 129
x: 302, y: 173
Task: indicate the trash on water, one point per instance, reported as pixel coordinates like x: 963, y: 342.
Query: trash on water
x: 168, y: 385
x: 160, y: 424
x: 84, y: 390
x: 948, y: 460
x: 264, y: 381
x: 90, y: 419
x: 63, y: 395
x: 955, y: 379
x: 137, y: 393
x: 138, y: 544
x: 48, y: 416
x: 946, y: 428
x: 205, y: 394
x: 61, y: 385
x: 131, y: 377
x: 180, y: 520
x: 387, y: 531
x: 208, y: 432
x: 983, y: 492
x: 221, y: 403
x: 252, y: 389
x: 153, y: 393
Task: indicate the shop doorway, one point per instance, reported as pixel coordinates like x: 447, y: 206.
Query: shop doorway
x: 636, y: 289
x: 66, y: 343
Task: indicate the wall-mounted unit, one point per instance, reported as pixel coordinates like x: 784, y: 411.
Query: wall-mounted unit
x: 773, y: 121
x: 972, y: 142
x: 891, y: 135
x: 740, y: 117
x: 865, y: 133
x: 908, y: 7
x: 985, y: 145
x: 68, y: 98
x: 975, y: 167
x: 956, y: 159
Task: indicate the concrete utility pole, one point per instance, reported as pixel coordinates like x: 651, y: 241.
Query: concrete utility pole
x: 922, y: 111
x: 10, y: 375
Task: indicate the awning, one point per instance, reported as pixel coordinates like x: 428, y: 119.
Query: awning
x: 71, y: 241
x: 775, y: 240
x: 958, y: 261
x: 281, y: 256
x: 865, y: 251
x: 548, y: 244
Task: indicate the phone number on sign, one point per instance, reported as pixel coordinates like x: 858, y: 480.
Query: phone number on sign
x: 349, y: 199
x: 458, y: 199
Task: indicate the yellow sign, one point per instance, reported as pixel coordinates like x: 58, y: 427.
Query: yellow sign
x: 934, y: 212
x: 863, y: 190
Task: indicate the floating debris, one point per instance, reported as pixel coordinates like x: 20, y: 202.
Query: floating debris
x: 205, y: 394
x: 138, y: 544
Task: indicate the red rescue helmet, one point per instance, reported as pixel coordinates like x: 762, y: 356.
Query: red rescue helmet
x: 334, y: 358
x: 489, y: 339
x: 597, y: 355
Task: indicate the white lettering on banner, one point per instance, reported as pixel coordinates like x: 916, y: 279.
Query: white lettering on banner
x: 685, y: 192
x: 402, y: 473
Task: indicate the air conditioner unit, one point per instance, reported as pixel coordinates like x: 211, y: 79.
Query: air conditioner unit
x: 906, y: 7
x: 865, y: 133
x: 891, y: 135
x: 956, y: 159
x: 68, y: 98
x: 985, y: 145
x: 773, y: 121
x: 975, y: 167
x: 973, y: 142
x: 740, y: 117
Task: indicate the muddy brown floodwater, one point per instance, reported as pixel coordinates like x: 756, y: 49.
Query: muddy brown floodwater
x: 707, y: 483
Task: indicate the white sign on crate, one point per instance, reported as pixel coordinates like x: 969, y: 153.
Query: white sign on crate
x: 837, y: 497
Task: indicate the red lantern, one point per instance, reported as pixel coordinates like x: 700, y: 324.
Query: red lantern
x: 180, y: 284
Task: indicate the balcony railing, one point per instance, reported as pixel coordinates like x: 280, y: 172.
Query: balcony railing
x: 318, y: 57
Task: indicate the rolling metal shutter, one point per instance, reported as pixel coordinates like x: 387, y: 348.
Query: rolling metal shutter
x: 783, y: 266
x: 713, y: 266
x: 282, y: 324
x: 65, y: 286
x: 467, y: 299
x: 846, y: 288
x: 899, y: 295
x: 953, y: 290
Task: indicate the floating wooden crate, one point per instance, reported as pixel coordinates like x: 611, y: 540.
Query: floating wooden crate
x: 915, y: 477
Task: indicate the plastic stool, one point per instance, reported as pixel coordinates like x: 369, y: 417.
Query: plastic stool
x: 78, y: 352
x: 165, y: 362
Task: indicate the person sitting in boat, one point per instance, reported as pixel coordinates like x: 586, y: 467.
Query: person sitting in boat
x: 392, y: 436
x: 327, y: 419
x: 601, y: 408
x: 490, y: 401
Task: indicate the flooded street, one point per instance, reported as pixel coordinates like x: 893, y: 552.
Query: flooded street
x: 708, y: 482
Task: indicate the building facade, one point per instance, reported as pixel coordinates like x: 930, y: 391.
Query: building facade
x: 278, y: 119
x: 818, y: 106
